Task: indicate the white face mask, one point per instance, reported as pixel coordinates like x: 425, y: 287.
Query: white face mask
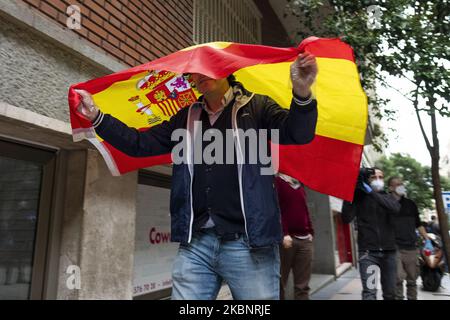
x: 400, y: 190
x: 377, y: 185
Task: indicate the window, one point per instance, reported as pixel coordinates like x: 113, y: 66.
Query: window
x: 154, y: 253
x: 226, y: 20
x: 26, y: 179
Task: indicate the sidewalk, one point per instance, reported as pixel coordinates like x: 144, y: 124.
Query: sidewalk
x: 348, y: 287
x: 317, y: 282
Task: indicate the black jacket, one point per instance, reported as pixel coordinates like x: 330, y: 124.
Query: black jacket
x: 406, y: 223
x: 374, y: 214
x: 258, y: 196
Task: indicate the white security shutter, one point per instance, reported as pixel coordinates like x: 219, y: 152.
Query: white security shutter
x: 226, y: 20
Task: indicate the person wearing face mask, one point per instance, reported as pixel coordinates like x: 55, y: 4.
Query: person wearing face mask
x: 406, y: 223
x: 374, y: 211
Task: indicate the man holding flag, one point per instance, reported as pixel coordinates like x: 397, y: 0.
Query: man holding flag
x: 225, y: 216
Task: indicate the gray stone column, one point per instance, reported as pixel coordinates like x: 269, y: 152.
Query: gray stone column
x: 324, y: 240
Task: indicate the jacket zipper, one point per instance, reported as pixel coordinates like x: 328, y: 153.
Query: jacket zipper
x: 190, y: 145
x: 240, y: 167
x: 239, y: 173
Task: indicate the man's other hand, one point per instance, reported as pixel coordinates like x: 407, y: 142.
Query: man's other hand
x: 367, y: 188
x: 287, y: 242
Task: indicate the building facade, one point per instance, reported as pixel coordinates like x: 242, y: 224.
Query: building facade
x: 68, y: 228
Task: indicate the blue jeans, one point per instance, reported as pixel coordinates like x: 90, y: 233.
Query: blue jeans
x: 201, y: 266
x: 372, y: 262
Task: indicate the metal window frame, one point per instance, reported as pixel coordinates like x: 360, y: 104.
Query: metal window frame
x: 47, y: 158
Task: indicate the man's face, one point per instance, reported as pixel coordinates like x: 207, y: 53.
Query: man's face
x: 205, y: 84
x: 377, y: 176
x: 394, y: 184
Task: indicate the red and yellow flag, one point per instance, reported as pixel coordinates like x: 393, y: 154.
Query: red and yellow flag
x: 148, y: 94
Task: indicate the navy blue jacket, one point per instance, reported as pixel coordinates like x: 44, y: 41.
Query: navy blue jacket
x: 257, y: 192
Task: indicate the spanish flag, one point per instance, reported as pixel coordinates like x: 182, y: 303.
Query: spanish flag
x: 148, y: 94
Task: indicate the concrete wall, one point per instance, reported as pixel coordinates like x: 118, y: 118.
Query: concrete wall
x: 324, y: 240
x: 36, y: 73
x: 108, y: 232
x: 98, y: 230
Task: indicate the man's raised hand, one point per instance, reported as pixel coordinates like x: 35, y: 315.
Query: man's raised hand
x: 303, y: 74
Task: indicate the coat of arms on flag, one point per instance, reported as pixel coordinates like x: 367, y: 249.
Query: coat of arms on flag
x: 161, y: 95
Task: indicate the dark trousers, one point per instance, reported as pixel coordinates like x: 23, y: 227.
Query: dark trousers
x: 372, y: 264
x: 298, y: 258
x: 407, y: 269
